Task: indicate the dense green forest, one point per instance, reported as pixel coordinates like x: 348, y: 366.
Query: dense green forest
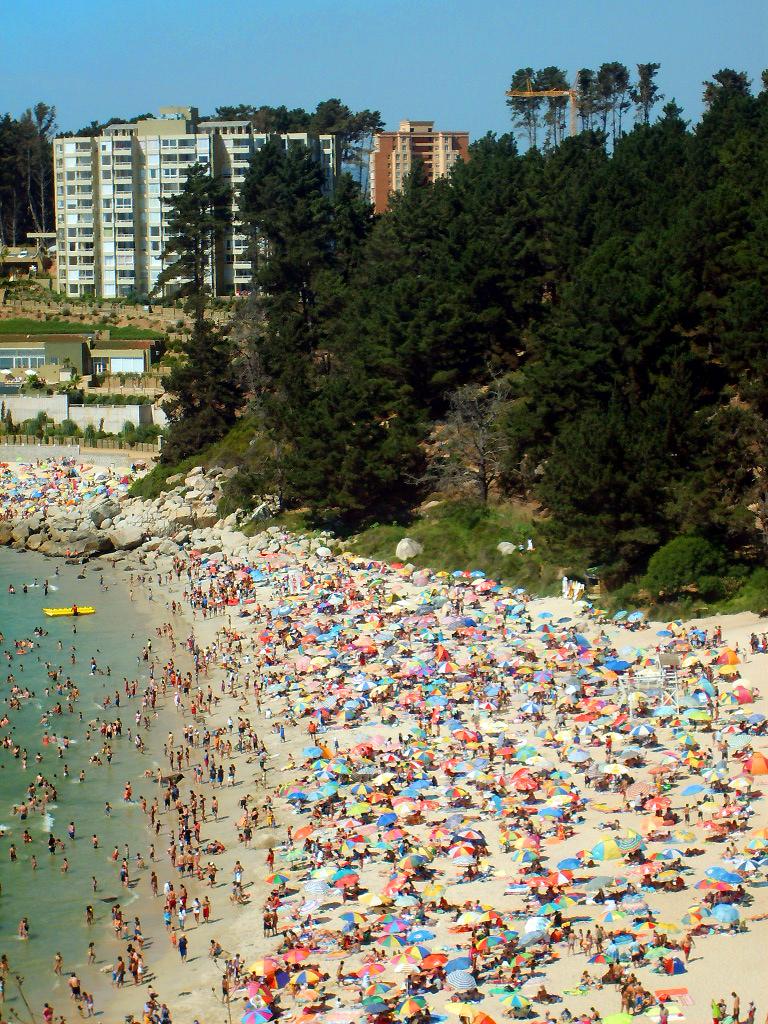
x: 26, y: 173
x: 577, y: 323
x: 580, y: 324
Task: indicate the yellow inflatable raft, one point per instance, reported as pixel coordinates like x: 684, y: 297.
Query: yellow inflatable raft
x: 73, y: 610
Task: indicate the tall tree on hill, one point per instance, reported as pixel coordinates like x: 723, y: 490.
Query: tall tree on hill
x: 37, y: 127
x: 612, y: 86
x: 645, y: 93
x: 525, y: 111
x: 586, y: 101
x: 203, y: 392
x: 198, y: 216
x: 726, y: 82
x: 26, y: 173
x: 555, y: 116
x: 287, y: 216
x: 203, y: 389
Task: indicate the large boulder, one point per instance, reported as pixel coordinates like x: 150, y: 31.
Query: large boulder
x: 506, y: 547
x: 97, y: 544
x: 125, y: 538
x: 20, y: 532
x: 408, y: 548
x: 6, y: 533
x: 103, y: 509
x: 178, y: 517
x: 53, y: 548
x: 206, y: 519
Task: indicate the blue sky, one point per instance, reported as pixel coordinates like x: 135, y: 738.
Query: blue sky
x: 448, y: 60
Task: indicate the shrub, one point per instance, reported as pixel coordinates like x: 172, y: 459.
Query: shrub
x: 686, y: 564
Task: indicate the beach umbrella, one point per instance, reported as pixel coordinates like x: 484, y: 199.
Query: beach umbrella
x: 607, y: 849
x: 373, y: 1005
x: 725, y: 913
x: 296, y: 955
x: 723, y: 875
x: 265, y: 967
x: 516, y: 1001
x: 757, y: 764
x: 317, y: 887
x: 411, y: 1007
x: 458, y: 963
x: 462, y: 981
x: 306, y: 978
x: 256, y: 1014
x: 277, y: 878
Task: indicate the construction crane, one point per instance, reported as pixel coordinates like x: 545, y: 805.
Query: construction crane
x: 531, y: 93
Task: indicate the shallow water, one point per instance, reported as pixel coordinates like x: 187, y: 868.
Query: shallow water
x: 54, y: 902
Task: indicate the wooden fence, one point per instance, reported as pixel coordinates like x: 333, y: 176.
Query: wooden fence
x: 109, y: 444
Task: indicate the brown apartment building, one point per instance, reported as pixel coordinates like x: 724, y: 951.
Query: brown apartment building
x: 395, y: 153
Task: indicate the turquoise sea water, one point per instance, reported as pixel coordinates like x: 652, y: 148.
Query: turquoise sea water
x: 55, y: 902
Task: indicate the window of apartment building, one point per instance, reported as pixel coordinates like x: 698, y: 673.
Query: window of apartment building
x: 186, y: 143
x: 154, y: 231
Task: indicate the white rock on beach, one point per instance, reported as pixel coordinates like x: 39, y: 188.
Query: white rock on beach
x: 408, y: 548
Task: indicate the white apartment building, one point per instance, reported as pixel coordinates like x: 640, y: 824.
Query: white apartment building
x: 111, y: 223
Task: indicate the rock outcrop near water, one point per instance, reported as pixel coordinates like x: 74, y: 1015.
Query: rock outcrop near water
x: 147, y: 534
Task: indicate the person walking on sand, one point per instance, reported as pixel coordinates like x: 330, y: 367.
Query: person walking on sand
x: 182, y: 946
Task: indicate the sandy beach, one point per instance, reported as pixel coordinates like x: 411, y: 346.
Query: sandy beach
x: 502, y: 882
x: 438, y: 798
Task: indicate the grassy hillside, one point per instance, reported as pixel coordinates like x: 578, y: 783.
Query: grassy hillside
x: 458, y: 535
x: 230, y: 451
x: 23, y: 326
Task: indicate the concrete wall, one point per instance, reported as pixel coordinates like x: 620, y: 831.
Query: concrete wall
x: 114, y: 417
x: 57, y: 408
x: 26, y: 407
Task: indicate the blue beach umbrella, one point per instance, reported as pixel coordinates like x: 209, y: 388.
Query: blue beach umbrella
x: 725, y: 913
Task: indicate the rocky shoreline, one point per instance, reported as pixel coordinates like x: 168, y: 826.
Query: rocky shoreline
x: 138, y: 532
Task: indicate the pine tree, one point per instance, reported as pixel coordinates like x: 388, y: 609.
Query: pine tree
x: 203, y: 392
x: 198, y: 215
